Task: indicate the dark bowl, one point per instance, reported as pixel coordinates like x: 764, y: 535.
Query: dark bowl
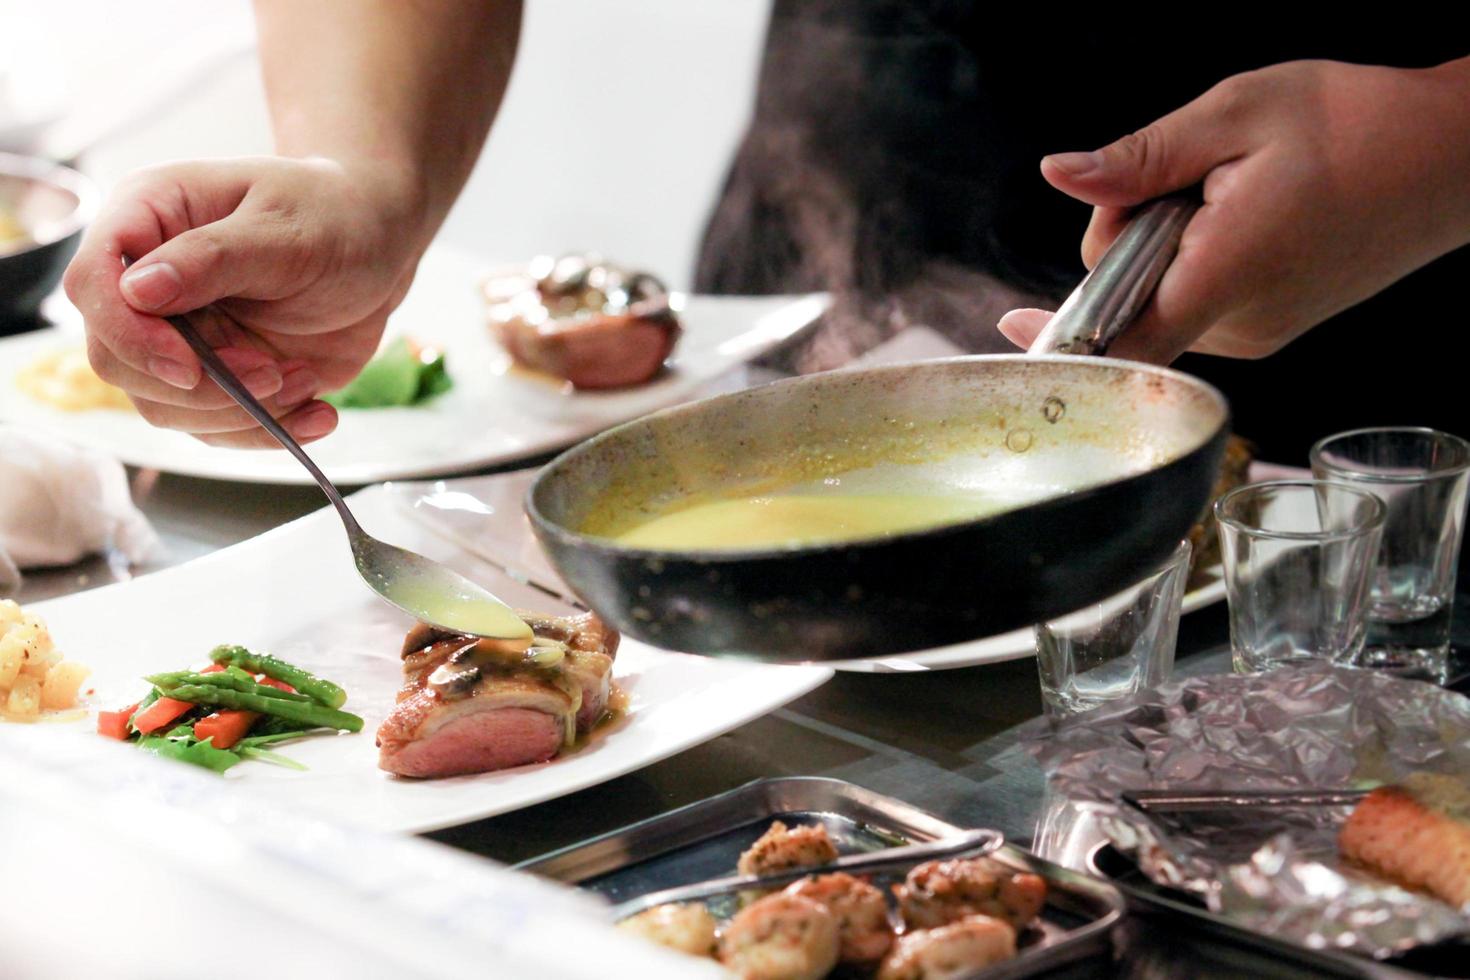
x: 53, y: 204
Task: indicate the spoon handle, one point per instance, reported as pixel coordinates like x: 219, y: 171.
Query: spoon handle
x: 225, y: 378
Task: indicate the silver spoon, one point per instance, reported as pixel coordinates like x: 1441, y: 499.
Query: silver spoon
x: 426, y: 590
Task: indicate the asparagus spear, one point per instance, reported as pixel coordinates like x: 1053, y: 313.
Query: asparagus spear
x: 245, y: 685
x: 319, y: 690
x: 278, y: 726
x: 300, y: 711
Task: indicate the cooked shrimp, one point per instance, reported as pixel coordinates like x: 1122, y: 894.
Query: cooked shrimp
x: 782, y: 847
x: 939, y: 892
x: 952, y: 951
x: 781, y: 937
x: 862, y: 914
x: 687, y: 928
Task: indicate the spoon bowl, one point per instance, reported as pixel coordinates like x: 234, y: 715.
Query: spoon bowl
x: 428, y: 591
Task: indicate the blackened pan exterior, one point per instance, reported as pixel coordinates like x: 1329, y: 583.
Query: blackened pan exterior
x: 882, y: 596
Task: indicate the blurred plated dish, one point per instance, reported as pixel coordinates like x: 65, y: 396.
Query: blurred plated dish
x: 43, y: 209
x: 492, y: 415
x: 582, y: 320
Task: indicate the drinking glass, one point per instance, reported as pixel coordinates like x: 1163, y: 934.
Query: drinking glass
x: 1118, y: 646
x: 1422, y: 477
x: 1296, y: 555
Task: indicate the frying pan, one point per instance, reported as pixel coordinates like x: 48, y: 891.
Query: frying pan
x: 1125, y: 453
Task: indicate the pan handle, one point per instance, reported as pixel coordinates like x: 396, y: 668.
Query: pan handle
x: 1115, y: 292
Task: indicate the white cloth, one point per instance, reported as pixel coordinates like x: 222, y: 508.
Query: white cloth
x: 59, y: 503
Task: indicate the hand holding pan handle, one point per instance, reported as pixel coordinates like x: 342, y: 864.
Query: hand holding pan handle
x: 1116, y: 291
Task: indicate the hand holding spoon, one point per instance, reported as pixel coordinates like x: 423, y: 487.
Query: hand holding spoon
x: 426, y: 590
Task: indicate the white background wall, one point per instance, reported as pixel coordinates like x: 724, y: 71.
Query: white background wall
x: 615, y: 133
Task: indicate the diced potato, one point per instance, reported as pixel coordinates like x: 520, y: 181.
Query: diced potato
x: 12, y: 655
x: 40, y: 652
x: 32, y: 674
x: 59, y: 689
x: 25, y: 696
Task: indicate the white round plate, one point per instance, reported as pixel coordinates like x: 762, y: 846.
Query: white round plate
x: 491, y: 417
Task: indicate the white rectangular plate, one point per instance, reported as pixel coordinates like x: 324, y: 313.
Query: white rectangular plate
x: 490, y: 417
x: 294, y: 592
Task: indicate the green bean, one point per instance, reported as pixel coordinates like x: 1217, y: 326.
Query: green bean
x: 195, y: 753
x: 245, y: 685
x: 320, y: 690
x: 304, y: 712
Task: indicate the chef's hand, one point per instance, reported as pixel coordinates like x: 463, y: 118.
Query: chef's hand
x: 306, y: 258
x: 1323, y: 183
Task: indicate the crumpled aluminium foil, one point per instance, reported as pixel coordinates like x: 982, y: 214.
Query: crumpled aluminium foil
x: 1275, y: 870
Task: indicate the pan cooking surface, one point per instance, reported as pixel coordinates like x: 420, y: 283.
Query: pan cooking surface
x: 866, y: 502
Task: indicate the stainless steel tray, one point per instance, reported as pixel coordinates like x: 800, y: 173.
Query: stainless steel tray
x: 1146, y: 897
x: 704, y: 840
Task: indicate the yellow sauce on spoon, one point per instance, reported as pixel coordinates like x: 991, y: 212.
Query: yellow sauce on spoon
x: 464, y: 609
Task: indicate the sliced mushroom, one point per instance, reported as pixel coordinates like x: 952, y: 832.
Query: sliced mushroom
x: 455, y: 680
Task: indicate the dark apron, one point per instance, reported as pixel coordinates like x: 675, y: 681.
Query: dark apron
x: 893, y: 159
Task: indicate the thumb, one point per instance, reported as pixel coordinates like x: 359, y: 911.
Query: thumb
x: 1021, y: 327
x: 1171, y: 154
x: 231, y: 257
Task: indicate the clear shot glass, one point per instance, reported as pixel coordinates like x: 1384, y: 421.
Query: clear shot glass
x: 1296, y: 556
x: 1116, y: 647
x: 1422, y: 476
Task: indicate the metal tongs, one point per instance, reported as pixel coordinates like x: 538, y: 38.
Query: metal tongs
x: 971, y: 843
x: 1185, y: 801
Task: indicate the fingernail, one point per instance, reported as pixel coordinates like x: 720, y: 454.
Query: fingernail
x: 176, y: 374
x: 263, y: 381
x: 313, y: 423
x: 1076, y: 164
x: 296, y: 388
x: 152, y: 286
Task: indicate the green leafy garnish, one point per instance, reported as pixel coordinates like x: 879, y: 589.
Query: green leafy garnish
x: 399, y: 376
x: 196, y: 753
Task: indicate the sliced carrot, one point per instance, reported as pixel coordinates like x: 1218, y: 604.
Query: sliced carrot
x: 225, y: 727
x: 159, y: 714
x: 212, y: 669
x: 278, y: 685
x: 114, y: 724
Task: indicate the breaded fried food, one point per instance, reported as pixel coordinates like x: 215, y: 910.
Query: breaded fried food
x: 781, y: 937
x: 781, y: 848
x: 1234, y: 472
x: 1417, y: 833
x: 686, y: 928
x: 952, y: 951
x: 940, y: 892
x: 861, y: 910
